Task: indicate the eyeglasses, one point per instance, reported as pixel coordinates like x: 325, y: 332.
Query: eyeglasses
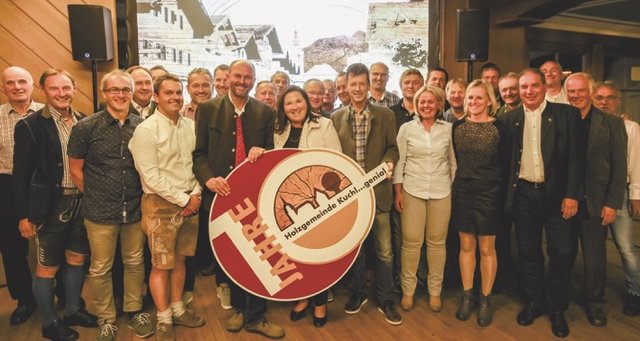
x: 608, y: 98
x: 115, y: 91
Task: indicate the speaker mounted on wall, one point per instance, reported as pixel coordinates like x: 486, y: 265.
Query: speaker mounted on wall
x: 472, y: 35
x: 127, y: 33
x: 91, y: 32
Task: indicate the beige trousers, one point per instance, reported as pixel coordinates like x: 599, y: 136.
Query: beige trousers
x: 102, y: 241
x: 424, y: 220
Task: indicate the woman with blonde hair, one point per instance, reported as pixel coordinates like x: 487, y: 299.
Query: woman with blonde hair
x: 481, y: 148
x: 422, y: 184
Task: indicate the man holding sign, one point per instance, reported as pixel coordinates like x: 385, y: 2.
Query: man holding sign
x: 229, y: 130
x: 367, y: 134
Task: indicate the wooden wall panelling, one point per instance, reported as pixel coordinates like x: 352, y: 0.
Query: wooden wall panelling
x: 20, y: 55
x: 37, y: 32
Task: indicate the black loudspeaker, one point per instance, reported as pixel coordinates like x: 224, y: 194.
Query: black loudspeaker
x: 91, y: 32
x: 127, y: 33
x: 472, y: 35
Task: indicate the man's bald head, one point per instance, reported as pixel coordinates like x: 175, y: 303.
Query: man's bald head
x: 17, y: 84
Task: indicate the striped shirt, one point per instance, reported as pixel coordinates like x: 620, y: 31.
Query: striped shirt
x: 8, y: 119
x: 63, y: 133
x: 360, y: 123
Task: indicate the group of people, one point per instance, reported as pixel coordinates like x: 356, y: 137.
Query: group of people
x: 129, y: 188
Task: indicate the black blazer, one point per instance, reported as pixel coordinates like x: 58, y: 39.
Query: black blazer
x: 561, y: 154
x: 606, y: 162
x: 37, y: 166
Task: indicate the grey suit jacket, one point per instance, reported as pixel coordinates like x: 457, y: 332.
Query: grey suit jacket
x: 605, y: 178
x: 381, y: 145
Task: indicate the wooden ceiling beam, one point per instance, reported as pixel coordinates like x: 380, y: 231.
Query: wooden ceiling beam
x: 519, y: 13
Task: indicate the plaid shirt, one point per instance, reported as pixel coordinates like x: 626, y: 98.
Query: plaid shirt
x: 360, y: 123
x: 387, y: 100
x: 8, y: 119
x: 64, y: 132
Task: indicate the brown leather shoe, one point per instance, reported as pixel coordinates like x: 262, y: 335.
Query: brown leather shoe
x: 435, y: 303
x: 407, y: 302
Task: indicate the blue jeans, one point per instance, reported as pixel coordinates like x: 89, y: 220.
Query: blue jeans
x: 381, y: 230
x: 622, y: 232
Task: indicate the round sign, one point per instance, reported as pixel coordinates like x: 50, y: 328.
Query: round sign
x: 294, y: 221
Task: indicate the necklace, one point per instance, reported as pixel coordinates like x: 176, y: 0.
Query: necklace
x: 294, y: 135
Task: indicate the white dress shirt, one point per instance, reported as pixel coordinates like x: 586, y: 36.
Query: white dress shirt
x: 427, y: 161
x: 162, y: 155
x: 531, y: 163
x: 144, y: 111
x: 561, y: 97
x: 633, y: 158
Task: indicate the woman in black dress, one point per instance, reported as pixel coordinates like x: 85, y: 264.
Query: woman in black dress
x: 479, y: 143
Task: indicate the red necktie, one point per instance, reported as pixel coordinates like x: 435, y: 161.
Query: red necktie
x: 241, y: 154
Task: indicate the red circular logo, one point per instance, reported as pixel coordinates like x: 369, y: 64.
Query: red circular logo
x: 294, y: 221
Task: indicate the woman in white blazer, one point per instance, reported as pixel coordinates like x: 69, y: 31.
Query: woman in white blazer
x: 297, y: 127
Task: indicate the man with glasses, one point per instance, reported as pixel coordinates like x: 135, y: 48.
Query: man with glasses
x: 315, y: 89
x: 378, y: 93
x: 606, y: 97
x: 102, y: 168
x: 48, y: 203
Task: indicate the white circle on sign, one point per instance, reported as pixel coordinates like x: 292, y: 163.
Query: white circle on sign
x: 305, y: 215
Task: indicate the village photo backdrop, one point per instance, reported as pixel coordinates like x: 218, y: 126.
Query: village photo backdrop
x: 306, y: 39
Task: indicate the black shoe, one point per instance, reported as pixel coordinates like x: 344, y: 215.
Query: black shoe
x: 596, y: 316
x: 22, y: 313
x: 209, y: 271
x: 529, y: 313
x: 355, y: 303
x: 559, y: 326
x: 298, y: 315
x: 485, y: 311
x: 59, y: 332
x: 390, y: 314
x: 60, y: 304
x: 467, y: 303
x: 81, y: 318
x: 320, y: 321
x: 631, y: 305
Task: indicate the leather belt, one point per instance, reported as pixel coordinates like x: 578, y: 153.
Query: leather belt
x: 535, y: 185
